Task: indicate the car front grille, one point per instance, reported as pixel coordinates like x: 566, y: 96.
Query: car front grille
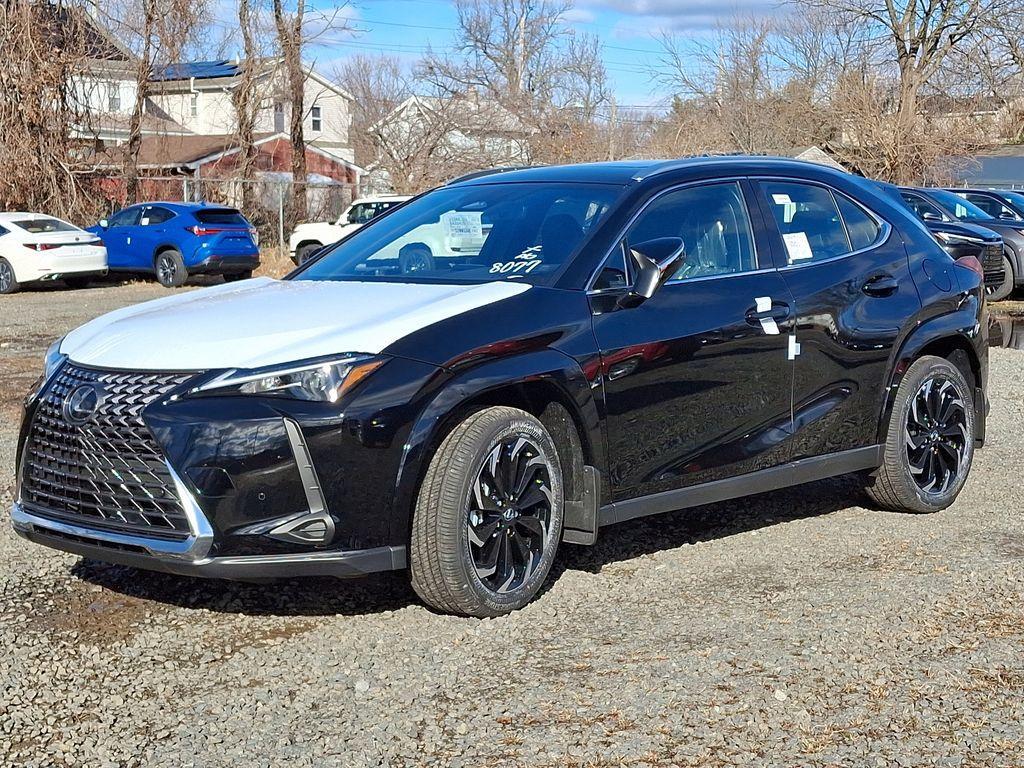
x: 105, y: 470
x: 992, y: 263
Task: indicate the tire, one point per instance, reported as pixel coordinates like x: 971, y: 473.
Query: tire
x: 305, y: 253
x: 170, y: 268
x: 912, y: 450
x: 8, y: 281
x: 232, y: 277
x: 77, y: 282
x: 1004, y: 290
x: 415, y: 258
x: 459, y: 528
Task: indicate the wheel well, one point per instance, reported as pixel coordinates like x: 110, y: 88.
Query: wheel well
x: 162, y: 249
x: 959, y: 352
x: 555, y: 411
x: 304, y: 243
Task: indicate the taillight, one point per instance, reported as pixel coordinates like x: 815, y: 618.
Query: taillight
x: 254, y: 235
x: 972, y: 263
x: 42, y: 246
x: 199, y: 231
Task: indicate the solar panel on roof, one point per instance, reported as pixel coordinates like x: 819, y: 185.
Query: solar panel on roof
x: 201, y: 70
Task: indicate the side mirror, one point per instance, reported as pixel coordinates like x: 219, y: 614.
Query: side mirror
x: 1007, y: 215
x: 929, y: 216
x: 104, y: 223
x: 655, y: 262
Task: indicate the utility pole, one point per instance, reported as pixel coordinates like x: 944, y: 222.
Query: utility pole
x: 521, y: 49
x: 613, y: 118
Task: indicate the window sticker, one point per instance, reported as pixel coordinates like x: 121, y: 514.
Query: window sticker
x: 781, y: 199
x: 797, y: 246
x: 466, y: 224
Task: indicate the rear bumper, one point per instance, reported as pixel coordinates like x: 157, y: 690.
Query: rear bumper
x: 215, y: 264
x: 152, y: 554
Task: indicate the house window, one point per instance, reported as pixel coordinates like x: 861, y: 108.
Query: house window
x: 317, y: 121
x: 278, y: 117
x: 113, y: 97
x: 193, y: 106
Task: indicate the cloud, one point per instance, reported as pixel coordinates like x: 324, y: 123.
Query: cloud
x: 682, y: 15
x: 578, y: 16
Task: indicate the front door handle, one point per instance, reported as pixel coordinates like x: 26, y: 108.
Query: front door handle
x: 778, y: 313
x: 881, y: 285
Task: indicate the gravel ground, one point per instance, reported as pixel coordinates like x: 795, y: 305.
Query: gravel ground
x: 794, y: 628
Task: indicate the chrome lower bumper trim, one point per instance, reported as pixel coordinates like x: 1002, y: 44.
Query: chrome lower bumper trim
x: 149, y: 554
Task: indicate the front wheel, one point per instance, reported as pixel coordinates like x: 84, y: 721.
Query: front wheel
x: 307, y: 252
x: 170, y: 269
x: 930, y: 445
x: 1006, y: 288
x: 8, y: 282
x: 488, y: 515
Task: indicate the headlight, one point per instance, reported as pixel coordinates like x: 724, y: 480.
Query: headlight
x: 324, y: 380
x: 51, y: 362
x: 951, y: 239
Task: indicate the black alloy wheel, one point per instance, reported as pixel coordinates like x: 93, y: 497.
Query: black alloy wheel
x: 936, y: 435
x: 509, y: 518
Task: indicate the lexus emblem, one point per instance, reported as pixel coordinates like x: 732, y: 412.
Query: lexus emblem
x: 82, y: 402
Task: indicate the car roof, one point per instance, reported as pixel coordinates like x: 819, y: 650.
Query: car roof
x: 12, y: 215
x: 625, y: 172
x: 181, y: 205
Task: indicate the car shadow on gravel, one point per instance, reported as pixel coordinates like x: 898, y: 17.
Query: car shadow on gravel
x: 376, y: 593
x: 644, y: 536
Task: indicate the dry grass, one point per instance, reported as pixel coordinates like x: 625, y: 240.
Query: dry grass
x: 274, y: 262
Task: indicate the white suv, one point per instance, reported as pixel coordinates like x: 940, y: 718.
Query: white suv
x: 309, y: 238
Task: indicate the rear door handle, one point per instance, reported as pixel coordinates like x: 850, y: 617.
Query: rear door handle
x: 881, y: 285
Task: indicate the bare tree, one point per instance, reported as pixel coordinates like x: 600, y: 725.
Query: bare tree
x: 44, y: 99
x: 246, y: 101
x: 378, y: 85
x: 290, y: 40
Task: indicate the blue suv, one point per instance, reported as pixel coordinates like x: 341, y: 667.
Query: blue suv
x: 175, y: 240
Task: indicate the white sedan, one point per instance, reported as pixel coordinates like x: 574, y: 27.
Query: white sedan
x: 34, y: 247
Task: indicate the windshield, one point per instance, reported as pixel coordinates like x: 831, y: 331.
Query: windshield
x: 472, y: 234
x: 962, y: 209
x: 44, y: 224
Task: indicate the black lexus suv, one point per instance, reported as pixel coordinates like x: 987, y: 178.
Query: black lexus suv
x: 941, y: 205
x: 596, y: 343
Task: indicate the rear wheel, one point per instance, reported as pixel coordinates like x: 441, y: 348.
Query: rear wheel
x: 488, y: 516
x: 231, y: 277
x: 8, y: 282
x: 170, y: 269
x: 1003, y: 291
x: 930, y: 445
x: 415, y: 258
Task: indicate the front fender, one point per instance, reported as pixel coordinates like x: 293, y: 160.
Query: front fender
x: 557, y: 373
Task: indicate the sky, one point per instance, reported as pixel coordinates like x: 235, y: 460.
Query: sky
x: 628, y: 30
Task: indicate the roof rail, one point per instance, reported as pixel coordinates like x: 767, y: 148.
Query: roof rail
x: 487, y: 172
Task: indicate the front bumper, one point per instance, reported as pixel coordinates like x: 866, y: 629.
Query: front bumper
x: 152, y: 554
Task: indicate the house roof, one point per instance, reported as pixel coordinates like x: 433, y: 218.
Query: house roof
x: 184, y: 74
x: 75, y: 29
x: 201, y: 70
x: 469, y: 113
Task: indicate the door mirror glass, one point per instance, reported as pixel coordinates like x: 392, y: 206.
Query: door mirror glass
x: 929, y: 216
x: 1006, y: 215
x: 654, y: 262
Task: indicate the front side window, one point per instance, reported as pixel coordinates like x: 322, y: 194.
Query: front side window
x: 808, y: 220
x: 473, y: 234
x: 989, y: 205
x: 713, y: 224
x: 128, y: 217
x: 925, y: 211
x: 363, y: 212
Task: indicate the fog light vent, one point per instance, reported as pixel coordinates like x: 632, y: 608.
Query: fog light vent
x: 308, y: 529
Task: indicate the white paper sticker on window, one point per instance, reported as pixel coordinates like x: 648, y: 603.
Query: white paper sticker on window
x: 781, y: 199
x: 797, y: 246
x: 466, y: 224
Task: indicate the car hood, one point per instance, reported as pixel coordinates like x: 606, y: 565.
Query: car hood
x: 261, y: 322
x: 962, y: 228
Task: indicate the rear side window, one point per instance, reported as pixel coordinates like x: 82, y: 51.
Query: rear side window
x: 44, y: 224
x: 156, y: 216
x: 808, y: 220
x: 861, y: 228
x: 221, y: 216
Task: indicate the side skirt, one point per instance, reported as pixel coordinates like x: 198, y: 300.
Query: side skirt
x: 794, y: 473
